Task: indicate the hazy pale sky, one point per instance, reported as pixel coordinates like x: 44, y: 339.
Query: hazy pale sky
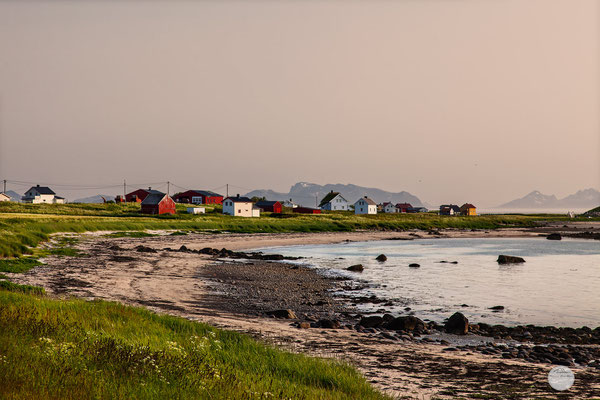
x: 451, y: 100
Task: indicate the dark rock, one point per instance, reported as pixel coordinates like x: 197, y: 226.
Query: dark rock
x: 414, y: 265
x: 554, y: 236
x: 304, y: 325
x: 503, y: 259
x: 497, y: 308
x: 183, y: 248
x: 145, y: 249
x: 356, y: 268
x: 406, y: 323
x: 457, y: 324
x: 381, y: 258
x: 328, y: 324
x: 288, y: 314
x: 371, y: 321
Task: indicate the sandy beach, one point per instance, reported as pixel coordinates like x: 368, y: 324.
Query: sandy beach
x: 238, y: 294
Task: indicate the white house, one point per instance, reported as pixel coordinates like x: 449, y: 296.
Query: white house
x: 240, y: 207
x: 334, y: 202
x: 41, y: 194
x: 389, y: 208
x: 289, y: 203
x: 365, y: 205
x: 4, y: 197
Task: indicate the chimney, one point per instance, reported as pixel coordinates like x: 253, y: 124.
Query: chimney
x: 149, y: 187
x: 365, y: 197
x: 38, y: 185
x: 238, y: 195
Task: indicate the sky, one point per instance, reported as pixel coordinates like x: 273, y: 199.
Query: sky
x: 477, y: 101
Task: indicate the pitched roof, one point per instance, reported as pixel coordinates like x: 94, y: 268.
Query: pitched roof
x: 367, y: 200
x: 153, y: 198
x: 239, y: 199
x: 264, y: 203
x: 328, y: 197
x: 452, y: 206
x: 404, y: 205
x: 208, y: 193
x: 468, y: 205
x: 42, y: 189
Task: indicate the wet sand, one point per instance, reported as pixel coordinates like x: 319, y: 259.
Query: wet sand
x: 237, y: 294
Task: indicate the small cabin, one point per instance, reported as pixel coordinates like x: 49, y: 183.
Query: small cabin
x: 240, y: 206
x: 158, y: 203
x: 198, y: 197
x: 468, y: 210
x: 334, y: 201
x: 403, y: 207
x: 389, y: 208
x: 306, y: 210
x: 270, y: 206
x: 365, y: 205
x: 137, y: 196
x: 449, y: 209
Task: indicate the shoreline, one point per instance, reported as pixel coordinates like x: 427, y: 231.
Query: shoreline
x: 232, y: 294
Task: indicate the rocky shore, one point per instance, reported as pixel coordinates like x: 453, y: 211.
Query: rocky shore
x: 296, y: 307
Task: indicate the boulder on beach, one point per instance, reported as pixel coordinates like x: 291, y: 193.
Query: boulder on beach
x: 287, y: 314
x: 406, y: 323
x: 497, y: 308
x: 328, y: 324
x: 145, y: 249
x: 554, y: 236
x: 381, y: 258
x: 414, y: 265
x: 457, y: 324
x: 373, y: 321
x: 356, y: 268
x: 503, y: 259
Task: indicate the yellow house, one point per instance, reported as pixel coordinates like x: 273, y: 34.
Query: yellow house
x: 468, y: 209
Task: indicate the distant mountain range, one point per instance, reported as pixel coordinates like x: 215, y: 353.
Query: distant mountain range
x: 587, y: 198
x: 94, y: 199
x: 309, y: 194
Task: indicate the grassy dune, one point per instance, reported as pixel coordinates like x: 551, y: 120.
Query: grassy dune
x: 73, y: 349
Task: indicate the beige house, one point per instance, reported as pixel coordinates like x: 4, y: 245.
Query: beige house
x: 4, y: 197
x: 240, y: 207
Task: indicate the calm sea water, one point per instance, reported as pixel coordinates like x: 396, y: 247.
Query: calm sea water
x: 558, y: 285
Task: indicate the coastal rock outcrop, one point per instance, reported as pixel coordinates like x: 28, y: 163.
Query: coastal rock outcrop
x: 381, y: 258
x: 373, y: 321
x: 287, y: 314
x: 554, y: 236
x: 457, y: 324
x: 504, y: 259
x: 406, y: 323
x: 356, y: 268
x: 414, y: 265
x: 328, y: 324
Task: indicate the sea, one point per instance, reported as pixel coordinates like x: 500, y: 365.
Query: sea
x: 558, y: 285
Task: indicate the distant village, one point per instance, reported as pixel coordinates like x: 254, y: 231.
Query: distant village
x: 155, y: 202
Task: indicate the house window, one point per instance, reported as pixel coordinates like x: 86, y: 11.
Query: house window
x: 197, y: 199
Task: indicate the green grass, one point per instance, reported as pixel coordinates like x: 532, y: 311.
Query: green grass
x: 74, y: 349
x: 15, y: 287
x: 24, y: 226
x: 18, y: 265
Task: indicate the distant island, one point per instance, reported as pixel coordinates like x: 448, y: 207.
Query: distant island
x: 306, y: 194
x: 587, y: 198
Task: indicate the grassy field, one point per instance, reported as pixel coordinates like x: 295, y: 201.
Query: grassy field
x: 24, y: 226
x: 74, y: 349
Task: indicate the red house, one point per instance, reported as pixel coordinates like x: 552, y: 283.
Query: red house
x: 157, y: 203
x: 306, y: 210
x: 271, y: 206
x: 198, y: 197
x: 403, y: 207
x: 137, y: 196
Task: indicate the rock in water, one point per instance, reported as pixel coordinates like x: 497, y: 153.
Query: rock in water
x: 502, y: 259
x: 457, y: 324
x: 406, y: 323
x: 554, y: 236
x: 356, y: 268
x: 288, y: 314
x: 381, y: 258
x: 414, y: 265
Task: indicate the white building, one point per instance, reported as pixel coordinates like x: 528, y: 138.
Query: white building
x: 289, y: 203
x: 4, y: 197
x: 389, y: 208
x: 41, y: 194
x: 240, y: 207
x: 365, y: 205
x: 334, y: 202
x: 196, y: 210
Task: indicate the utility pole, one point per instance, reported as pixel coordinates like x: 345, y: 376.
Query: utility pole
x: 124, y: 189
x: 316, y: 201
x: 4, y: 191
x: 168, y: 187
x: 227, y: 189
